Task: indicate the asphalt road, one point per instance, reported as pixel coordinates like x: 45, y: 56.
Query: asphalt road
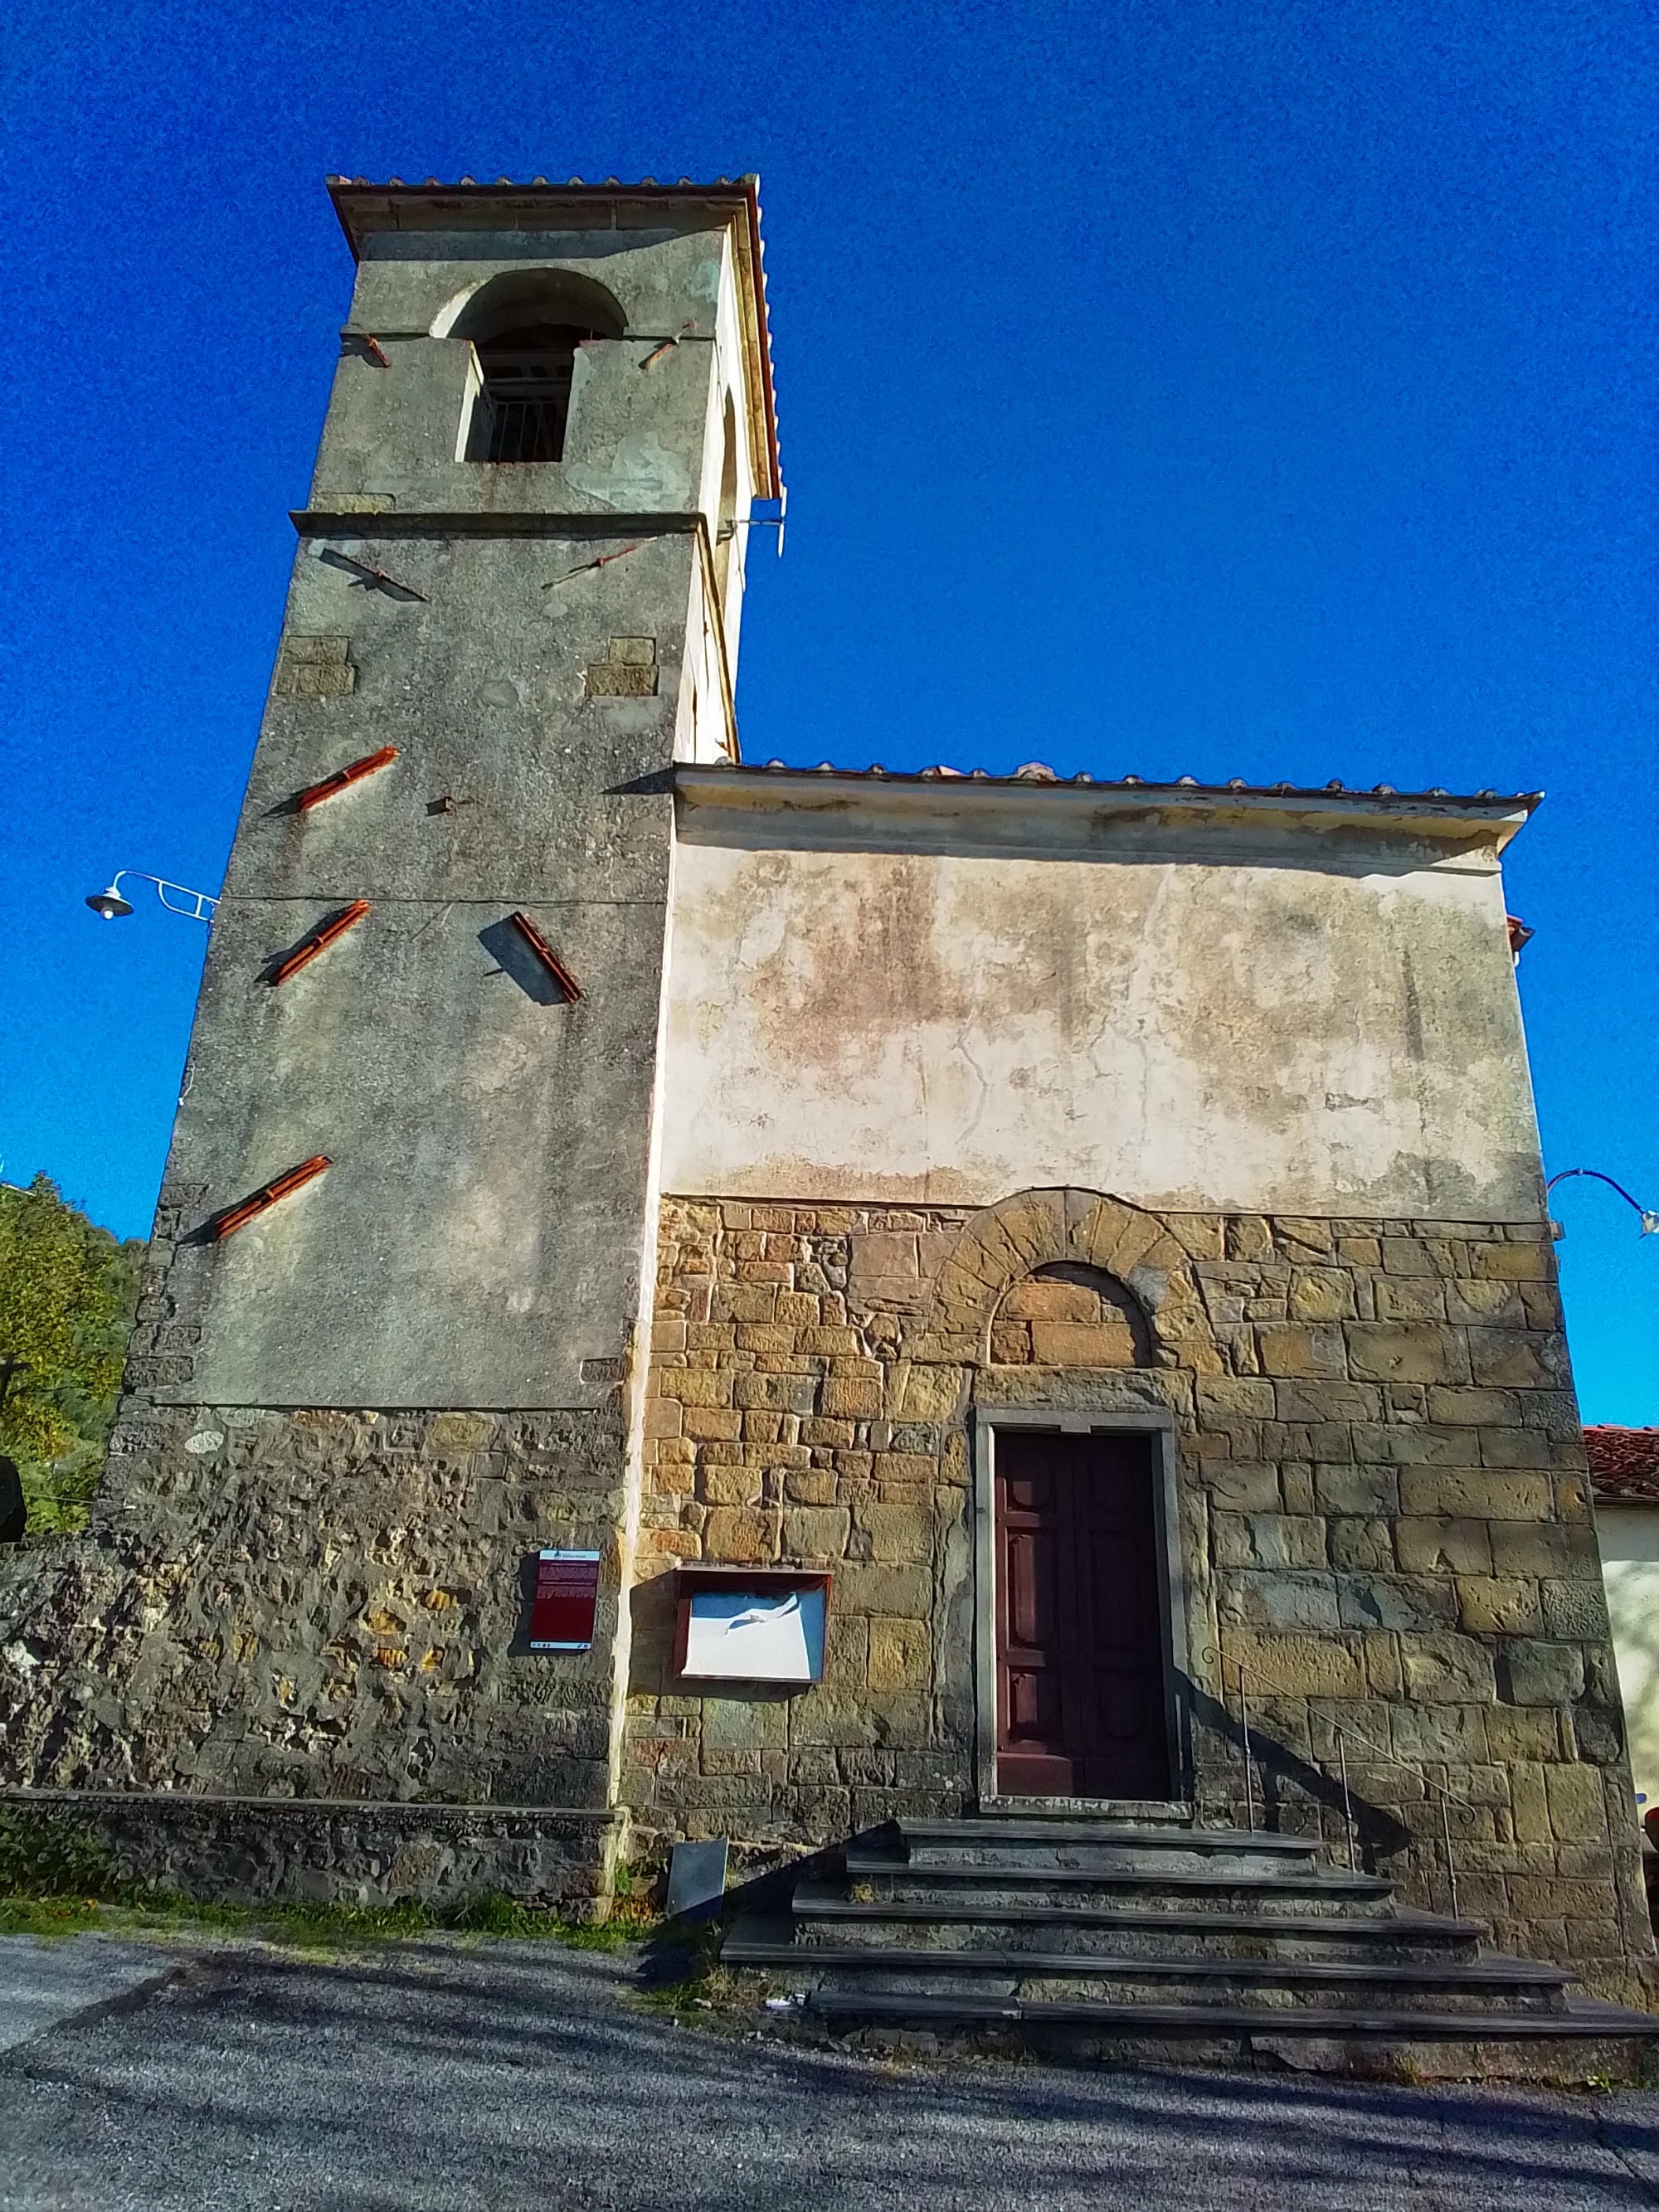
x: 507, y: 2075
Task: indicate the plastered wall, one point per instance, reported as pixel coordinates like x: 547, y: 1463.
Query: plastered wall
x: 638, y: 440
x: 467, y: 1247
x: 1629, y: 1539
x: 940, y: 1007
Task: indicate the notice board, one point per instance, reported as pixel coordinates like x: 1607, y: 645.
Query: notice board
x: 561, y: 1611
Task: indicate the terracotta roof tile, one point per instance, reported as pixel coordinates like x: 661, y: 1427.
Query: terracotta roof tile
x: 1624, y: 1463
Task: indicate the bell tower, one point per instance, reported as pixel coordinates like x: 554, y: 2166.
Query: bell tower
x: 520, y: 571
x: 406, y: 1236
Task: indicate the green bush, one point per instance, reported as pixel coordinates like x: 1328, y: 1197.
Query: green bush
x: 68, y: 1292
x: 44, y: 1854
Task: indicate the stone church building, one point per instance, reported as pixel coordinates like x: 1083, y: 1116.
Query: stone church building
x: 1056, y: 1271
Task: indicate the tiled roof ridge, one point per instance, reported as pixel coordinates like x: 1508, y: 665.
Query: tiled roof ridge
x: 543, y: 184
x: 1039, y: 772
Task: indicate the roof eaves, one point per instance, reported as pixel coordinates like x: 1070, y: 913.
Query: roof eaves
x: 1482, y: 803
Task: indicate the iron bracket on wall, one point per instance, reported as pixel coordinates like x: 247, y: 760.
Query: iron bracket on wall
x: 668, y: 344
x: 603, y: 562
x: 370, y: 578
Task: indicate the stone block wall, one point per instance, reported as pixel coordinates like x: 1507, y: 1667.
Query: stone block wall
x: 1385, y: 1519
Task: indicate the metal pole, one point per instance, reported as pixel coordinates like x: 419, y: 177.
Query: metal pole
x: 1347, y: 1803
x: 1244, y: 1718
x: 1451, y: 1871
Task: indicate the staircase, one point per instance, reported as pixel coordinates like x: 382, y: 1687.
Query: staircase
x: 1120, y: 1939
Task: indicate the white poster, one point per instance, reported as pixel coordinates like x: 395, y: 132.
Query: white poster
x: 751, y: 1638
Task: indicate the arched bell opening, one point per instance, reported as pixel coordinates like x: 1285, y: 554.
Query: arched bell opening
x: 525, y: 329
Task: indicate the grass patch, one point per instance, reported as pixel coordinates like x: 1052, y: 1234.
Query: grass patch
x: 596, y: 1935
x: 306, y: 1927
x: 301, y: 1926
x: 683, y: 1975
x: 139, y: 1912
x: 49, y: 1915
x: 495, y: 1915
x: 706, y: 1996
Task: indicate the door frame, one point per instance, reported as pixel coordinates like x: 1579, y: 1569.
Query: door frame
x: 1158, y: 1425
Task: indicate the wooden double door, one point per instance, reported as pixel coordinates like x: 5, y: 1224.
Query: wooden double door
x: 1080, y: 1647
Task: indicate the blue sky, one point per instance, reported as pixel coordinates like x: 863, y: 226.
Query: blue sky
x: 1170, y: 388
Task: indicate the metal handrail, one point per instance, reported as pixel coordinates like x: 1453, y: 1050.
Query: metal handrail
x: 1342, y: 1730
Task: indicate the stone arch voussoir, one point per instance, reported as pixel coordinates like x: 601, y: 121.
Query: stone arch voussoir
x: 1037, y: 1228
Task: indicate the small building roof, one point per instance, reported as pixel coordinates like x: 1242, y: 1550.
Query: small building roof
x: 1039, y: 772
x: 1624, y: 1464
x: 364, y: 206
x: 827, y: 793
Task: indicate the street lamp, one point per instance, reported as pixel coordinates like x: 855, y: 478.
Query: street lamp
x: 1649, y: 1219
x: 111, y: 906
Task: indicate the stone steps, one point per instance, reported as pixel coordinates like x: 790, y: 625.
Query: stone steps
x: 991, y: 1885
x: 1005, y: 1833
x: 1108, y: 1979
x: 1126, y: 2024
x: 1133, y: 1939
x: 823, y: 1915
x: 1071, y: 1847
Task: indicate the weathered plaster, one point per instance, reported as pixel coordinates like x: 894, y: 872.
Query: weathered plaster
x: 487, y: 1138
x: 938, y: 1007
x: 467, y: 1247
x: 638, y: 440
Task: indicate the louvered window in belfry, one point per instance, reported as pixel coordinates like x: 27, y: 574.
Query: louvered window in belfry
x: 524, y: 405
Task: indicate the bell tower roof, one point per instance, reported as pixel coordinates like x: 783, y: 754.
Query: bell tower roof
x: 729, y: 204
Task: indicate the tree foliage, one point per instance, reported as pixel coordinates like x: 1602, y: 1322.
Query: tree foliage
x: 67, y: 1294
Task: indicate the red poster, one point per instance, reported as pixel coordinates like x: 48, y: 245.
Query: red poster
x: 567, y: 1588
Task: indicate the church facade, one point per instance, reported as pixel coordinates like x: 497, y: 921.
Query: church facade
x: 694, y: 1298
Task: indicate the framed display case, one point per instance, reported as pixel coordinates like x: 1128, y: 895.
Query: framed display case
x: 751, y: 1624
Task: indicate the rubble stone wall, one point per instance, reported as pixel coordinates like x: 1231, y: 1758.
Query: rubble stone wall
x: 332, y: 1851
x: 1384, y: 1510
x: 314, y: 1602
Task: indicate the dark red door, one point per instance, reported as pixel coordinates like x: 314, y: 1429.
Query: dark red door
x: 1080, y: 1692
